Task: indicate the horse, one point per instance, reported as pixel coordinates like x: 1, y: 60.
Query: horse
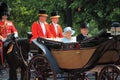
x: 16, y: 53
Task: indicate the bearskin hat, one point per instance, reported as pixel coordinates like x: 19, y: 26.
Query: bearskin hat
x: 4, y: 9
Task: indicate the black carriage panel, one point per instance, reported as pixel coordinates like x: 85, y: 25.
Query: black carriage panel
x: 35, y: 49
x: 50, y: 43
x: 58, y: 45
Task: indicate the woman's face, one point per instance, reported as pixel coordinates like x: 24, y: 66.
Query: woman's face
x: 68, y: 35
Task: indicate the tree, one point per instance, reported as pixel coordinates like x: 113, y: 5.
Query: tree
x: 98, y: 14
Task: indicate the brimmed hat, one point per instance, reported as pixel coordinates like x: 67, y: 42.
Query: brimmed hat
x: 68, y: 29
x: 115, y: 24
x: 4, y: 9
x: 83, y: 25
x: 42, y: 13
x: 54, y: 14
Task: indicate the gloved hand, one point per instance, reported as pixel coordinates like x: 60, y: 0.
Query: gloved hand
x: 1, y: 37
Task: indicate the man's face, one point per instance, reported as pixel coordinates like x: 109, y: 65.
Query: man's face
x: 4, y: 17
x: 43, y: 18
x: 55, y: 20
x: 84, y: 31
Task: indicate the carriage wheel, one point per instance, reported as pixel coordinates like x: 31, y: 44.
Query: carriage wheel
x: 110, y: 72
x: 39, y: 68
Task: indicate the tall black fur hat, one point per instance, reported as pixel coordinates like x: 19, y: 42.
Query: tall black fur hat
x: 54, y: 14
x: 4, y: 9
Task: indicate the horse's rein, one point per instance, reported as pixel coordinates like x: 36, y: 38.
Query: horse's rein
x: 21, y: 53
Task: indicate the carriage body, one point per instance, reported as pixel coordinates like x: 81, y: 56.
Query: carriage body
x: 75, y: 57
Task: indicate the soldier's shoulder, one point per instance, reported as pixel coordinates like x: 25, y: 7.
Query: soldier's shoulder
x: 9, y: 22
x: 35, y: 22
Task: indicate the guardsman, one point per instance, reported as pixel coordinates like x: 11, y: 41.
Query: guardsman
x: 40, y: 28
x: 6, y: 28
x: 55, y: 28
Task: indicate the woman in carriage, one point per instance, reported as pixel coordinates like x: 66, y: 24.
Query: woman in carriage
x: 68, y: 32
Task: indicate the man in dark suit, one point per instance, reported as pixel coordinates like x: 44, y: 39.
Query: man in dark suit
x: 84, y: 33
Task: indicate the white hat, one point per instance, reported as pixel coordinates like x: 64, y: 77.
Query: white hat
x: 68, y: 29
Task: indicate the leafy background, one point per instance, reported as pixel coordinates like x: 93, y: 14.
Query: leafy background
x: 98, y: 14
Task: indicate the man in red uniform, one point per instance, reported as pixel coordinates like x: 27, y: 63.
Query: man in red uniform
x: 6, y: 27
x: 55, y: 28
x: 40, y: 28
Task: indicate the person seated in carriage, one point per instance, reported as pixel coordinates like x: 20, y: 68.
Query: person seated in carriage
x: 68, y: 32
x: 6, y: 28
x: 55, y: 28
x: 40, y: 28
x: 83, y: 32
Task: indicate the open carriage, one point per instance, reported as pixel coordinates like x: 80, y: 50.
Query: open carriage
x: 54, y: 60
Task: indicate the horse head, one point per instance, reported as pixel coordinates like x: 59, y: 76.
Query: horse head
x: 17, y: 56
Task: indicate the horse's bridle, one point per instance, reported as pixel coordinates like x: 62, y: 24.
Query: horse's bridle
x: 19, y: 47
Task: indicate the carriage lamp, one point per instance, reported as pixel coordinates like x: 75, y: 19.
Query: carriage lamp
x: 115, y: 28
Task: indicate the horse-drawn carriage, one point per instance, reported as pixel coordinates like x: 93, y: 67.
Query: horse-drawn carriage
x: 53, y: 60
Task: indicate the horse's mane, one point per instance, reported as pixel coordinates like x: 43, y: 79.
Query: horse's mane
x: 22, y: 41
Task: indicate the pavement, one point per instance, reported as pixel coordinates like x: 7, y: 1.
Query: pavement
x: 5, y: 75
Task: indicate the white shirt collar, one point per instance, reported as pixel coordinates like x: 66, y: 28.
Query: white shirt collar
x: 43, y: 27
x: 55, y: 26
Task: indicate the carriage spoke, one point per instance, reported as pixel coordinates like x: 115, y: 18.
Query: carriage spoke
x: 40, y: 68
x: 110, y: 72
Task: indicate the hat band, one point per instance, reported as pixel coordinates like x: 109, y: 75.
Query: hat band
x: 55, y: 16
x: 42, y: 14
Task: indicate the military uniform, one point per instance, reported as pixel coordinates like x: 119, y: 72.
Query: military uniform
x: 6, y: 28
x: 55, y: 28
x: 39, y: 28
x: 56, y: 32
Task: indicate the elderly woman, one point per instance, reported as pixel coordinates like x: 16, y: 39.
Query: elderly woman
x: 68, y: 32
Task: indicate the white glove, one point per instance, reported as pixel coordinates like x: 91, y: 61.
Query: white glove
x: 15, y: 34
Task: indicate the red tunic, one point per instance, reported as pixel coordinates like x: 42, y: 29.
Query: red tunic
x: 38, y: 32
x: 59, y: 31
x: 6, y: 28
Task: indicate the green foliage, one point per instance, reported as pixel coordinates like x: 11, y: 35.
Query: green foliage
x: 98, y: 14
